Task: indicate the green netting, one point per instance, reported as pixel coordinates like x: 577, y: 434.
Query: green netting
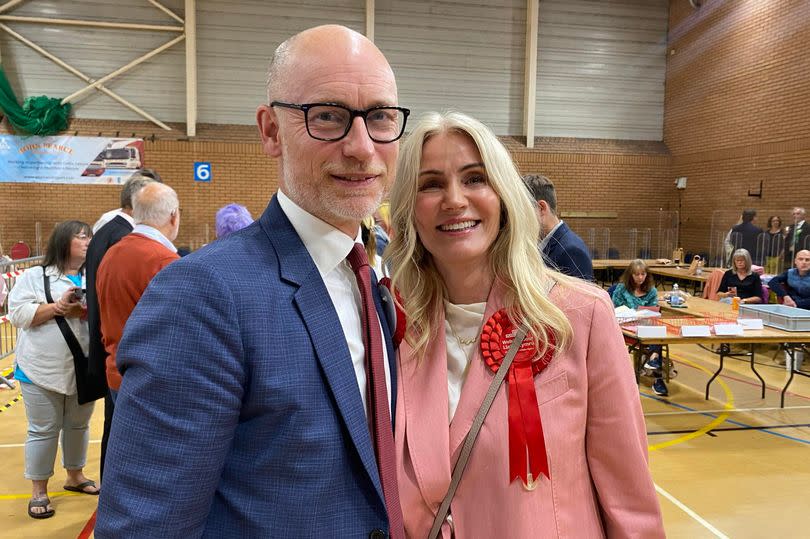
x: 40, y: 115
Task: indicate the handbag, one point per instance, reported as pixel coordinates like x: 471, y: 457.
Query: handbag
x: 85, y: 393
x: 472, y: 435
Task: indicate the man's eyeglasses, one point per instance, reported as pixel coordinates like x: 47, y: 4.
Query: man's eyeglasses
x: 330, y: 122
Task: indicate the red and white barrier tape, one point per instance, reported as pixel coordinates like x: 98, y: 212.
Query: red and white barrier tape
x: 11, y: 274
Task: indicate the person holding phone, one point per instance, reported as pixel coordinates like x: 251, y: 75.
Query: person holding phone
x: 43, y: 299
x: 740, y: 281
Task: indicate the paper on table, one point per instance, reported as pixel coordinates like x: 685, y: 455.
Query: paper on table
x: 696, y: 331
x: 728, y: 329
x: 652, y: 331
x: 751, y: 323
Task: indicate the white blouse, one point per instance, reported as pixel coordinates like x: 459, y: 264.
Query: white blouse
x: 461, y: 323
x: 42, y: 353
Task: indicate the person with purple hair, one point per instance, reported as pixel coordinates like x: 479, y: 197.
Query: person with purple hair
x: 230, y: 218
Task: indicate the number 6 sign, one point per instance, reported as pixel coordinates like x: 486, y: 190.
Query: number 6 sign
x: 202, y: 172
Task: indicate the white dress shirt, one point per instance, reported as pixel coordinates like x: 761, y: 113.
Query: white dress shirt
x: 460, y: 322
x: 154, y: 234
x: 109, y: 216
x: 329, y: 248
x: 551, y: 232
x: 42, y: 352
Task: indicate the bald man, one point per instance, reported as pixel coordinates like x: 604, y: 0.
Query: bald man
x: 246, y: 408
x: 793, y: 286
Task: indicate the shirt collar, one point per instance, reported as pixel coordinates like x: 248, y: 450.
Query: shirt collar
x: 327, y: 245
x: 551, y: 232
x: 127, y: 216
x: 154, y: 234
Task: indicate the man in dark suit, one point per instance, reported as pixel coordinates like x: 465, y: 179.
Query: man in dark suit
x: 797, y: 237
x: 95, y: 383
x: 562, y: 249
x: 746, y: 234
x: 243, y: 405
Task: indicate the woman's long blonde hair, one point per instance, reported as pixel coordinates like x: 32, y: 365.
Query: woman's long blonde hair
x: 514, y: 257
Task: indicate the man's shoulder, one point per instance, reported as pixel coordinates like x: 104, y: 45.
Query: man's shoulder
x: 245, y: 255
x: 109, y: 234
x: 574, y: 240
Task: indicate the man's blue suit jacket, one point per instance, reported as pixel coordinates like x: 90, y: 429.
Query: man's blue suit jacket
x: 568, y: 254
x: 239, y: 414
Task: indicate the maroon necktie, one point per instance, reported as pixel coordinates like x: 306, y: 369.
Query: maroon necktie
x: 381, y: 429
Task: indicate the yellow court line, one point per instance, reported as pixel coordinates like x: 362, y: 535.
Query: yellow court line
x: 50, y: 495
x: 720, y: 419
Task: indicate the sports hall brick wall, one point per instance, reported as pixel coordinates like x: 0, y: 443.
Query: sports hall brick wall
x: 736, y: 109
x: 592, y: 175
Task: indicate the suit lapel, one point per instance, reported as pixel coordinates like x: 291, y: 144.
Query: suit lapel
x: 425, y: 402
x: 325, y: 331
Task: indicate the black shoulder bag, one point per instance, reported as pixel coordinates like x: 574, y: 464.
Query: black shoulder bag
x: 79, y: 359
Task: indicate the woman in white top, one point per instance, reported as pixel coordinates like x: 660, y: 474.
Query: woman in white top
x: 45, y: 365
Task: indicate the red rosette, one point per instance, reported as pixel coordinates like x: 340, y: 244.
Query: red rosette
x: 525, y: 426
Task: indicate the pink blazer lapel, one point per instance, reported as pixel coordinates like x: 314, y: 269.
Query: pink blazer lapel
x: 425, y: 402
x: 477, y: 383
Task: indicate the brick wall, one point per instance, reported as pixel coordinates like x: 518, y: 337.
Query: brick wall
x: 736, y: 110
x: 736, y: 113
x: 241, y: 173
x: 592, y: 175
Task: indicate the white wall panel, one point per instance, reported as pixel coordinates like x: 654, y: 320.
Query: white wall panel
x: 601, y: 68
x: 157, y: 86
x: 462, y: 55
x: 236, y: 39
x: 601, y: 63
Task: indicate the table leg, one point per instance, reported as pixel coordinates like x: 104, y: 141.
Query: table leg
x: 753, y: 368
x: 790, y: 357
x: 724, y: 350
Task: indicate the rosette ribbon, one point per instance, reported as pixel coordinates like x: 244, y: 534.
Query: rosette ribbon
x: 527, y: 448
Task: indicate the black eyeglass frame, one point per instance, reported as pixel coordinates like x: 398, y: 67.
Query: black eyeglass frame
x: 304, y: 107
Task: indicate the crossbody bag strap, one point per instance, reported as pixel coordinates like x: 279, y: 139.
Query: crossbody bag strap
x: 64, y: 327
x: 478, y: 422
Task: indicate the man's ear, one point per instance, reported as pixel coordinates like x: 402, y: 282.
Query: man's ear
x: 268, y: 129
x: 543, y: 208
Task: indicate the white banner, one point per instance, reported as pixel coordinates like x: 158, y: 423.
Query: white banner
x: 68, y: 159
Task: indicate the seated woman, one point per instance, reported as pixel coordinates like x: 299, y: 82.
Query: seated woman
x: 635, y: 289
x: 740, y: 281
x: 465, y: 259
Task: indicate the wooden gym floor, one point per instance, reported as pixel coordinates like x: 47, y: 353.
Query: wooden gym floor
x: 732, y: 466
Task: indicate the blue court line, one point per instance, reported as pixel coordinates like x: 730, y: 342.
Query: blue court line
x: 738, y: 423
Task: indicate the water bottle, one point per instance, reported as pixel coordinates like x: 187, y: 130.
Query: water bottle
x: 675, y: 297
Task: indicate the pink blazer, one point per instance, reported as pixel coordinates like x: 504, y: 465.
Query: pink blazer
x: 594, y: 432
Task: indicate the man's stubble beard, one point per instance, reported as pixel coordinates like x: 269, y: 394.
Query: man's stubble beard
x: 331, y: 206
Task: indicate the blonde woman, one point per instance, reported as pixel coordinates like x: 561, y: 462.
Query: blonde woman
x: 464, y: 250
x: 740, y: 280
